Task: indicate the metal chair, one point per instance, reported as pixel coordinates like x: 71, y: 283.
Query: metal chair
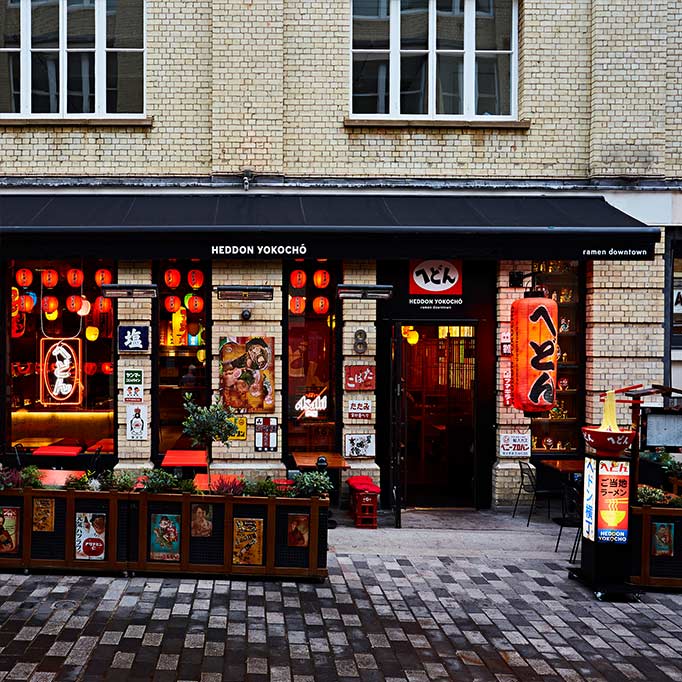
x: 571, y: 517
x: 528, y: 484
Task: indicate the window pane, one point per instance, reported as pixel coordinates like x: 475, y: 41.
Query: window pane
x: 370, y: 83
x: 125, y: 86
x: 449, y: 84
x: 45, y: 82
x: 9, y: 25
x: 414, y: 24
x: 124, y: 23
x: 414, y: 77
x: 44, y: 23
x: 677, y: 295
x: 9, y: 83
x: 493, y: 29
x: 450, y: 24
x: 81, y: 82
x: 493, y: 85
x: 80, y: 24
x: 370, y: 24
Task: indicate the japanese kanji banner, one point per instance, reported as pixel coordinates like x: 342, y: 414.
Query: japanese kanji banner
x: 589, y: 497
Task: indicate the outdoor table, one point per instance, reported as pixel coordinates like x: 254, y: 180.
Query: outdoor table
x: 57, y: 477
x: 184, y: 458
x: 58, y: 451
x: 308, y: 460
x: 34, y: 442
x: 565, y: 466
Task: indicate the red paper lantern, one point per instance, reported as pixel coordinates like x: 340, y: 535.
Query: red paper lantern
x: 298, y: 278
x: 74, y: 277
x: 90, y: 368
x: 49, y: 304
x: 74, y: 303
x: 321, y: 305
x: 534, y: 334
x: 49, y: 278
x: 195, y: 304
x: 24, y: 277
x: 107, y: 368
x: 103, y: 276
x: 102, y: 305
x: 321, y: 279
x: 15, y: 294
x: 172, y: 303
x: 26, y: 303
x: 297, y: 305
x: 172, y: 278
x: 195, y: 278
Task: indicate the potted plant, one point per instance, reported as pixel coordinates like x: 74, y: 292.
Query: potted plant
x: 206, y: 424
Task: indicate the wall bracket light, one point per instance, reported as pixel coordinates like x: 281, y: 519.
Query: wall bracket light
x: 129, y: 290
x: 243, y: 293
x: 374, y: 292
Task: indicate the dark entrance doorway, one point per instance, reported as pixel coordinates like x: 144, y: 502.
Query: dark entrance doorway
x: 438, y: 377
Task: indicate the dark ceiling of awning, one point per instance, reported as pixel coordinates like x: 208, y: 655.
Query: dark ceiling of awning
x: 390, y: 225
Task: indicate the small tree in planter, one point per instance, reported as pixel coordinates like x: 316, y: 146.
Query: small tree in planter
x: 204, y: 425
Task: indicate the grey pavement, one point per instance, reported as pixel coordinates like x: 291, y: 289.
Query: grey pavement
x: 451, y: 596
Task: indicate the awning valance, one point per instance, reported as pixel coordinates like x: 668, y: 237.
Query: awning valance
x: 358, y: 225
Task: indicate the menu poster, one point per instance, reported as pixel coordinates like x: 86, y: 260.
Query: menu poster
x: 165, y: 537
x: 662, y: 539
x: 9, y: 530
x: 202, y: 521
x: 298, y: 530
x: 248, y: 542
x: 91, y: 531
x: 43, y: 514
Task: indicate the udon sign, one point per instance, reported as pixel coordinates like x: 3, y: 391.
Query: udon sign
x: 60, y: 363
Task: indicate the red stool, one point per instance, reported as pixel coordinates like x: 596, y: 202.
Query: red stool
x: 364, y: 499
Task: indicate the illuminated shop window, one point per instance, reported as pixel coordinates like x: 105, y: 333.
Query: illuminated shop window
x: 183, y: 303
x: 677, y: 299
x: 311, y: 355
x: 61, y: 353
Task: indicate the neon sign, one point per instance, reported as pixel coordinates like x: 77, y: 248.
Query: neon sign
x: 311, y: 404
x: 60, y: 372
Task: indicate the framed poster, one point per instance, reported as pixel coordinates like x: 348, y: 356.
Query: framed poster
x: 247, y: 549
x: 360, y: 445
x: 136, y: 422
x: 241, y: 429
x: 43, y: 514
x: 90, y: 531
x: 9, y: 530
x: 265, y: 434
x: 247, y: 373
x: 202, y: 521
x: 662, y: 539
x: 165, y: 537
x: 298, y: 530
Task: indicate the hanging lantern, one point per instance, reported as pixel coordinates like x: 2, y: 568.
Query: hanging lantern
x: 534, y: 325
x: 18, y: 326
x: 103, y: 305
x: 91, y: 333
x: 103, y: 276
x: 51, y: 317
x: 74, y: 303
x: 297, y: 305
x: 172, y: 303
x: 49, y: 278
x: 195, y: 279
x: 321, y: 305
x: 405, y: 330
x: 24, y: 277
x: 321, y: 279
x: 85, y: 307
x: 26, y: 303
x: 201, y: 355
x: 74, y: 277
x: 195, y: 304
x: 49, y: 304
x: 14, y: 293
x: 107, y: 368
x: 193, y: 328
x: 172, y: 278
x: 412, y: 337
x: 90, y: 368
x: 298, y: 278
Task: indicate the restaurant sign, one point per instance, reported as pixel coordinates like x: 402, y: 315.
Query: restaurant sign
x: 133, y: 339
x: 133, y: 385
x: 241, y: 429
x: 359, y: 377
x: 60, y: 368
x: 589, y: 497
x: 359, y: 409
x: 613, y: 490
x: 514, y: 445
x: 265, y: 434
x: 435, y: 284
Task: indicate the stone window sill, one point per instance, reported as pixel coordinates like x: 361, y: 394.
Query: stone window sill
x: 523, y: 124
x: 32, y: 122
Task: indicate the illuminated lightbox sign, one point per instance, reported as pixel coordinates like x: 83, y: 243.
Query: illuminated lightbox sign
x: 60, y: 380
x: 311, y: 404
x: 613, y: 491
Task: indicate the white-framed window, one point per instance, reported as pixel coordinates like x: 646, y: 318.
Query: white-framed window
x: 72, y: 58
x: 434, y: 59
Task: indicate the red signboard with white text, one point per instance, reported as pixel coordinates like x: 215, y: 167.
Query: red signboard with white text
x: 613, y: 491
x: 359, y: 378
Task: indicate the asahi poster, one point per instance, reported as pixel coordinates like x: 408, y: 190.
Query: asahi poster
x: 164, y: 536
x: 136, y: 422
x: 43, y: 514
x: 91, y: 530
x: 9, y: 530
x: 248, y: 542
x: 247, y: 373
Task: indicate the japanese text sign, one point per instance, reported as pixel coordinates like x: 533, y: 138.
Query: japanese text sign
x: 265, y: 434
x: 514, y: 445
x: 436, y: 277
x: 613, y: 491
x: 589, y: 497
x: 360, y: 377
x: 133, y: 384
x: 133, y: 338
x: 60, y: 368
x: 360, y: 409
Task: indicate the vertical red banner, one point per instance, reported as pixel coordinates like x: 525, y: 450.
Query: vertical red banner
x: 613, y: 493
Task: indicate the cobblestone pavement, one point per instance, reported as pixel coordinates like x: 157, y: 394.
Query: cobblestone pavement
x: 379, y: 617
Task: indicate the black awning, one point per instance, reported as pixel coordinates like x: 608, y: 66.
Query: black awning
x: 355, y: 225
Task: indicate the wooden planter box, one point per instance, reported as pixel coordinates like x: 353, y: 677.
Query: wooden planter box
x: 263, y: 536
x: 649, y: 568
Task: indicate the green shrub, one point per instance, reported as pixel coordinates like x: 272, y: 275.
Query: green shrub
x: 186, y: 485
x: 31, y: 477
x: 263, y: 487
x: 81, y: 482
x: 160, y: 481
x: 312, y: 484
x: 649, y: 495
x: 116, y: 480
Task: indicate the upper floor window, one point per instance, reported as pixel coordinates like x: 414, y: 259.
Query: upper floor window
x: 454, y: 59
x: 71, y: 58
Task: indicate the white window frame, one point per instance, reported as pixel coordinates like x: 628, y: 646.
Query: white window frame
x: 100, y: 51
x: 471, y: 15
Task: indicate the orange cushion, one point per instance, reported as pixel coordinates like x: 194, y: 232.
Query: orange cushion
x: 58, y: 450
x: 184, y: 458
